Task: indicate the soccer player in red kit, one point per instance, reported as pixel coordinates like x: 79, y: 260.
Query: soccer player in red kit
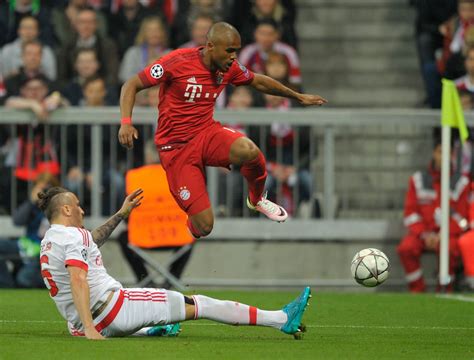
x: 188, y: 138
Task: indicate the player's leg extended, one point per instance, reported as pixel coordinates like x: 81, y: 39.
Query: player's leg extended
x: 245, y: 153
x: 287, y: 320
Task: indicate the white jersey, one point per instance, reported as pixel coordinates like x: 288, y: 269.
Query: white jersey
x: 71, y: 246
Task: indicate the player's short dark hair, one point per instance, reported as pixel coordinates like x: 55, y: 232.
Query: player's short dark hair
x: 49, y: 201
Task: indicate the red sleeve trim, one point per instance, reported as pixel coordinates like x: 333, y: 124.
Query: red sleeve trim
x: 77, y: 263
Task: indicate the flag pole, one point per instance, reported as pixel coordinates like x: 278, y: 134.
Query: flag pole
x: 444, y: 278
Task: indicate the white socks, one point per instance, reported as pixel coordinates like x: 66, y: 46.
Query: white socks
x: 234, y: 313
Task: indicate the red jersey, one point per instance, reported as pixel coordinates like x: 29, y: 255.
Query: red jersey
x: 188, y: 91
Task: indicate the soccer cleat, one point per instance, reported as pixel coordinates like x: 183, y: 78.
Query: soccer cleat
x: 294, y: 311
x: 271, y: 210
x: 170, y: 330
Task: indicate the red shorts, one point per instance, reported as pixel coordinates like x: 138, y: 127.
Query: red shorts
x: 185, y: 165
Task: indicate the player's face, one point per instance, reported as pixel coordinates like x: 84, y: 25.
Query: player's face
x: 224, y: 52
x: 77, y: 213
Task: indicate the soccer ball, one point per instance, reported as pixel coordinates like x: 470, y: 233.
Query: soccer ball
x: 370, y: 267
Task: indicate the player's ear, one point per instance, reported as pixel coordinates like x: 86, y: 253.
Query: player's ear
x: 66, y: 210
x: 210, y: 45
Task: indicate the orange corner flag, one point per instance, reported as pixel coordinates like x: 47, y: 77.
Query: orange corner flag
x: 451, y: 110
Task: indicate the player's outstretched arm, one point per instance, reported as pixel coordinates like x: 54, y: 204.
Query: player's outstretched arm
x: 270, y: 86
x: 80, y: 296
x: 102, y: 233
x: 127, y: 132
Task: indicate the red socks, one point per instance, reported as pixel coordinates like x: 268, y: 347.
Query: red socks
x: 256, y: 173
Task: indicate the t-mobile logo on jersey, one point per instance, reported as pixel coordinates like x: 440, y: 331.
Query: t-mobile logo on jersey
x: 192, y: 91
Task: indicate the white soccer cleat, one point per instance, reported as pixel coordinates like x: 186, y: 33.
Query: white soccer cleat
x: 271, y: 210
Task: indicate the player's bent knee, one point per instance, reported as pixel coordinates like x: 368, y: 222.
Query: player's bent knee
x: 206, y: 228
x: 244, y: 150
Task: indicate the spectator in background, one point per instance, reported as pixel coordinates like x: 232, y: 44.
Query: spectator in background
x: 422, y: 218
x: 188, y: 13
x: 151, y: 43
x: 253, y: 56
x: 199, y: 28
x: 11, y: 12
x: 23, y: 253
x: 283, y: 16
x: 10, y: 55
x: 33, y: 95
x: 455, y: 64
x: 86, y: 66
x: 64, y: 21
x: 430, y: 15
x: 88, y: 38
x: 31, y: 56
x: 466, y: 82
x: 33, y: 151
x: 277, y: 67
x: 124, y: 25
x: 94, y: 92
x: 79, y: 175
x: 465, y: 20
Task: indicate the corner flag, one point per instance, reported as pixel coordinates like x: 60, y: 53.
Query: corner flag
x: 451, y: 111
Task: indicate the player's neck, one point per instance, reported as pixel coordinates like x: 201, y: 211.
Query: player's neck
x: 206, y: 59
x: 65, y: 222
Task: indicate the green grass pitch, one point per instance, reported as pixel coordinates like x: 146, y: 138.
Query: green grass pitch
x: 340, y: 326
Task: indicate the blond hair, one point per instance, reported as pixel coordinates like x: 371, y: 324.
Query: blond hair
x: 140, y: 38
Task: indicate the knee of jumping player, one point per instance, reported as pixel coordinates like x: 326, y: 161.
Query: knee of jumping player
x: 243, y: 150
x: 205, y: 228
x: 201, y: 224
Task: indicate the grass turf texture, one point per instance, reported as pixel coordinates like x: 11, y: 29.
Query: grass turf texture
x: 340, y: 326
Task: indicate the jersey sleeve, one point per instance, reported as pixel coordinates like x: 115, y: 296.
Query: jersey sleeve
x: 76, y: 248
x: 240, y: 74
x: 156, y: 73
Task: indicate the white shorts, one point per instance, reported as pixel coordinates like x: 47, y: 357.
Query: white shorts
x: 133, y: 309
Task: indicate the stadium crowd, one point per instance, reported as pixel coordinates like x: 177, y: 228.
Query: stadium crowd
x: 79, y: 52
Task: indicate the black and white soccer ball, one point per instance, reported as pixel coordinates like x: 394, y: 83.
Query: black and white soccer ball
x: 370, y: 267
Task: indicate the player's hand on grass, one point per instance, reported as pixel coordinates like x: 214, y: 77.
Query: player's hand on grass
x: 127, y: 133
x: 131, y: 202
x: 308, y: 100
x: 92, y: 334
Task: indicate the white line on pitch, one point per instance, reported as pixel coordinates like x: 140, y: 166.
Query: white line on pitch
x: 456, y: 297
x: 309, y: 326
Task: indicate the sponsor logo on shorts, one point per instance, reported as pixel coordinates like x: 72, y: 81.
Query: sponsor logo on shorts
x: 84, y: 254
x: 184, y: 193
x: 156, y: 71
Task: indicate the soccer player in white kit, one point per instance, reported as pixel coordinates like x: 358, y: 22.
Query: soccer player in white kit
x: 96, y: 305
